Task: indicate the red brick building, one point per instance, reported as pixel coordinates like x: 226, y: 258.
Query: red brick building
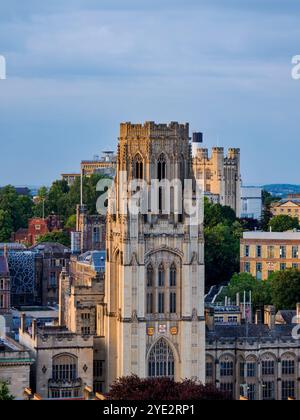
x: 37, y: 227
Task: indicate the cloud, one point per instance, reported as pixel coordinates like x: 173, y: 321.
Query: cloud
x: 78, y: 67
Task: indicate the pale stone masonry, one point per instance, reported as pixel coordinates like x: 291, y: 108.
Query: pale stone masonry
x: 220, y: 175
x: 154, y: 285
x: 15, y: 362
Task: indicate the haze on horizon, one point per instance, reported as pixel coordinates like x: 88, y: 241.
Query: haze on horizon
x: 76, y: 69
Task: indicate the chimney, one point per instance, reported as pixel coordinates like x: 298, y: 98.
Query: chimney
x: 258, y: 317
x: 34, y: 328
x: 210, y: 318
x: 298, y: 313
x: 270, y: 315
x: 5, y: 251
x: 23, y: 323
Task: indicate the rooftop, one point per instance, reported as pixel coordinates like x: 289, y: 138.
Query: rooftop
x: 96, y: 259
x: 50, y: 247
x: 292, y: 236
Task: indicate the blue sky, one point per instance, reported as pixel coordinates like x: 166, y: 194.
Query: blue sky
x: 77, y: 68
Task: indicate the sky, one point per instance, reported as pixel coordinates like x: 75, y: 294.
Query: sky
x: 77, y: 68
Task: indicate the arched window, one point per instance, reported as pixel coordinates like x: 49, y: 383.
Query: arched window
x: 161, y: 360
x: 64, y: 368
x: 138, y: 167
x: 173, y: 275
x: 161, y: 168
x: 161, y: 275
x: 150, y: 276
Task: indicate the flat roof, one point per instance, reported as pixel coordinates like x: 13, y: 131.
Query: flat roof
x: 272, y: 235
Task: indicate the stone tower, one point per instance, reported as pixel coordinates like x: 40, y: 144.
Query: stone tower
x: 154, y: 286
x: 220, y: 175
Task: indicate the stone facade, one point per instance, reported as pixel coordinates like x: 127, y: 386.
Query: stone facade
x: 15, y: 362
x: 92, y: 229
x: 55, y: 257
x: 63, y: 361
x: 220, y: 175
x: 154, y: 286
x: 260, y: 361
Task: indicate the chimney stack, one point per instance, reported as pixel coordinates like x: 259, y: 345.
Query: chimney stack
x: 298, y: 313
x: 23, y: 323
x: 258, y: 317
x: 270, y: 315
x: 34, y: 328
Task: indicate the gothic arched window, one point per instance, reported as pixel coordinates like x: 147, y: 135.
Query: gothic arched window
x: 161, y: 168
x: 161, y: 361
x: 161, y: 275
x: 173, y: 276
x: 64, y: 368
x: 150, y: 276
x: 138, y: 167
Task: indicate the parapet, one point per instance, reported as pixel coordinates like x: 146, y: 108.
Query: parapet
x: 151, y: 129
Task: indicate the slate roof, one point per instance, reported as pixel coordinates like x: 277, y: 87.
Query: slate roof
x: 252, y: 331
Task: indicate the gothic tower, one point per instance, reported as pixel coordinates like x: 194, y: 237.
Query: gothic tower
x: 154, y: 286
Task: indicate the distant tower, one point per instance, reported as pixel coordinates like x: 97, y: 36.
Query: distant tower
x: 219, y: 174
x: 154, y: 286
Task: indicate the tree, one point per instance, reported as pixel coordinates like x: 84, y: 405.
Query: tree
x: 245, y: 282
x: 285, y: 288
x: 283, y: 223
x: 62, y: 238
x: 221, y: 253
x: 162, y: 389
x: 267, y: 200
x: 18, y: 207
x: 4, y: 392
x: 6, y: 226
x: 71, y: 222
x: 215, y: 214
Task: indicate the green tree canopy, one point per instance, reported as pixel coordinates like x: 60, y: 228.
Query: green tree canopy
x: 62, y: 238
x: 17, y: 209
x: 285, y: 288
x: 283, y: 222
x: 245, y: 282
x: 215, y: 214
x: 6, y: 226
x: 221, y: 253
x: 4, y: 392
x: 71, y: 222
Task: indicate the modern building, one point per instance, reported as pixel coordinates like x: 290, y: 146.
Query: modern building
x: 26, y: 276
x: 259, y: 361
x: 15, y: 363
x: 104, y: 165
x: 251, y: 203
x: 289, y: 206
x: 154, y: 284
x: 262, y: 253
x: 218, y: 174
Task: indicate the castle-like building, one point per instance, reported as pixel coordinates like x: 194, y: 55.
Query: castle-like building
x: 219, y: 174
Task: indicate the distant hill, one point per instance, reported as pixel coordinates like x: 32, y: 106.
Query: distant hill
x: 282, y: 190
